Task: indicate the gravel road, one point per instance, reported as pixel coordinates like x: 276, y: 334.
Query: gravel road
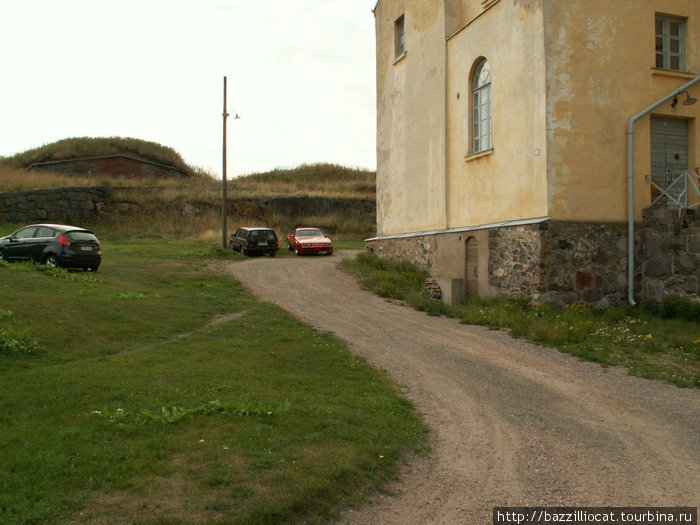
x: 512, y: 423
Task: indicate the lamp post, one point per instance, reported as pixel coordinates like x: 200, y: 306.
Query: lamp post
x: 223, y: 178
x: 223, y: 175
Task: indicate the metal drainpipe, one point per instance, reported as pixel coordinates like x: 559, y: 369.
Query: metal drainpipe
x: 630, y: 184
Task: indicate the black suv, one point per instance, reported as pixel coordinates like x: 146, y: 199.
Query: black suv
x: 53, y: 245
x: 251, y: 241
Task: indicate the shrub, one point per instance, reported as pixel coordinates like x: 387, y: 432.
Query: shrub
x: 17, y: 344
x: 675, y: 308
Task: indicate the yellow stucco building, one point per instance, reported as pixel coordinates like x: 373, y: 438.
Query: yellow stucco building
x: 512, y: 135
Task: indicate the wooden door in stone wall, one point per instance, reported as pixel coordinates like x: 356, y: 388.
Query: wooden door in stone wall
x: 471, y: 266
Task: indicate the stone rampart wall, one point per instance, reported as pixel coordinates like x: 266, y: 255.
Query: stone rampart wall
x: 78, y: 204
x: 61, y: 205
x: 303, y: 205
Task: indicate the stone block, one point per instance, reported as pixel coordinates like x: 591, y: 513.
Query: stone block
x: 658, y: 266
x: 548, y: 297
x: 452, y: 290
x: 592, y: 296
x: 686, y: 264
x: 694, y: 243
x: 584, y: 280
x: 602, y: 304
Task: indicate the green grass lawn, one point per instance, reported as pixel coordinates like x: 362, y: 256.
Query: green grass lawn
x: 655, y: 341
x: 160, y: 391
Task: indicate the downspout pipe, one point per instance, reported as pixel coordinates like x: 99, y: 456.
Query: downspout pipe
x: 630, y: 183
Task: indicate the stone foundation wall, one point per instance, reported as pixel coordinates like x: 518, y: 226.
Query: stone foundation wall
x: 62, y: 205
x: 669, y: 260
x: 560, y: 262
x: 516, y: 265
x: 421, y: 251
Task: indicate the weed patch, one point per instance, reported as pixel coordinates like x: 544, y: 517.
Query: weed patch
x: 388, y: 278
x: 172, y: 414
x: 17, y: 344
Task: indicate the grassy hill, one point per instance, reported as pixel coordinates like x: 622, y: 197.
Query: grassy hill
x: 82, y: 147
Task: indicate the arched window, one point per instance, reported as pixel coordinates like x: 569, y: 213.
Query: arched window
x: 481, y: 107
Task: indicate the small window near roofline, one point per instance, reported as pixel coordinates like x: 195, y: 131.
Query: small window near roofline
x: 670, y: 43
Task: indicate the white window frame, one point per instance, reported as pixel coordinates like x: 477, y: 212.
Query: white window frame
x: 481, y: 121
x: 400, y: 36
x: 666, y: 57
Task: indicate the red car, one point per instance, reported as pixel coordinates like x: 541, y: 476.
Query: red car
x: 309, y: 240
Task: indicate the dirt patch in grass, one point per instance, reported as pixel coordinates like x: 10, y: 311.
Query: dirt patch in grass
x: 161, y: 497
x: 217, y: 320
x: 183, y: 496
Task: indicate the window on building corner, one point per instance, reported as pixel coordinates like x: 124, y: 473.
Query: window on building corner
x: 399, y: 37
x: 670, y: 43
x: 481, y: 108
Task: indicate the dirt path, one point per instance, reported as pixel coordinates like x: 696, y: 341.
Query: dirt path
x: 512, y: 423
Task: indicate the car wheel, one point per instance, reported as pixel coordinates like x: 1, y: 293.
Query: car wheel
x: 296, y: 250
x: 244, y: 251
x: 289, y: 247
x: 272, y: 254
x: 51, y: 261
x: 91, y: 269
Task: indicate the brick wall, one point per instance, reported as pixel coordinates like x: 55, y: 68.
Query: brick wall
x: 114, y: 165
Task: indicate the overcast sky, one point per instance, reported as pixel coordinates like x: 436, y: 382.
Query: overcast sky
x: 300, y: 74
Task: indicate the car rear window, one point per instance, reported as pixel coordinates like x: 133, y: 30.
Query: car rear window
x: 82, y: 236
x: 262, y: 235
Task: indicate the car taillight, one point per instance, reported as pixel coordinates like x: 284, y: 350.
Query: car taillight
x: 65, y: 241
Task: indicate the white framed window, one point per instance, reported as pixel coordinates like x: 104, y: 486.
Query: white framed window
x: 399, y: 37
x: 670, y: 43
x: 481, y: 107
